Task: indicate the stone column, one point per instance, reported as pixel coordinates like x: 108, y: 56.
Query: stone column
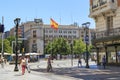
x: 98, y: 61
x: 116, y: 54
x: 106, y: 54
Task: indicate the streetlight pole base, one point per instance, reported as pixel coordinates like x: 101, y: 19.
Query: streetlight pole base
x: 87, y: 66
x: 16, y: 68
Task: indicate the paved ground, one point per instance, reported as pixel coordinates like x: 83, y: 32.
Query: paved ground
x: 62, y: 70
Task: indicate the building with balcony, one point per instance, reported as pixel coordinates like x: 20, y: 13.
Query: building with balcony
x: 106, y: 14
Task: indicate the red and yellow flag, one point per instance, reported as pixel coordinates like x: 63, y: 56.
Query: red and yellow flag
x: 53, y: 24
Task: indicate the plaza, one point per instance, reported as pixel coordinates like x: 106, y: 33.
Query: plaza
x: 64, y: 43
x: 62, y: 70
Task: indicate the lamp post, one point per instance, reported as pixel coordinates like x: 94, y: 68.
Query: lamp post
x: 2, y: 32
x: 16, y: 21
x: 71, y: 45
x: 86, y: 28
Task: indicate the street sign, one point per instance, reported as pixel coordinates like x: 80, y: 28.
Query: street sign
x: 86, y: 38
x: 22, y: 38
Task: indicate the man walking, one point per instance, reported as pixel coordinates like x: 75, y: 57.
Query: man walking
x: 79, y: 62
x: 49, y: 66
x: 104, y: 61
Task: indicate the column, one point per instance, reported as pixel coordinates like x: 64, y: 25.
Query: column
x: 116, y: 54
x: 106, y: 54
x: 98, y: 62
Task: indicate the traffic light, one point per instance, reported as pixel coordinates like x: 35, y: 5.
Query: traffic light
x: 1, y: 28
x: 87, y: 36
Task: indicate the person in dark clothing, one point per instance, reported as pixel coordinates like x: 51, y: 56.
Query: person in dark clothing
x: 104, y: 62
x: 79, y: 62
x: 49, y: 66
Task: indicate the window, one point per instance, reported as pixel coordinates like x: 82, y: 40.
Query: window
x: 110, y: 22
x: 69, y: 32
x: 34, y: 41
x: 34, y: 33
x: 60, y: 31
x: 55, y: 31
x: 65, y: 31
x: 50, y: 31
x: 74, y: 32
x: 102, y: 2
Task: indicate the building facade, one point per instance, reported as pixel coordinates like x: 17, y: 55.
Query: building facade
x: 106, y: 14
x: 38, y: 34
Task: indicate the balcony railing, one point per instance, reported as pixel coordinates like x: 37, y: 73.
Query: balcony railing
x: 94, y: 6
x: 108, y: 33
x: 100, y: 4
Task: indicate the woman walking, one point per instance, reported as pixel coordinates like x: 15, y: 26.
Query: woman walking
x: 23, y: 65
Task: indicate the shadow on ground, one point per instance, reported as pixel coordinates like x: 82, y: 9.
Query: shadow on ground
x: 93, y: 73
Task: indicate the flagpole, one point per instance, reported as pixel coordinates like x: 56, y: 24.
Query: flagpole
x: 54, y: 25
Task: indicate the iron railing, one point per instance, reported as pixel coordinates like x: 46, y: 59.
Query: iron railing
x: 108, y: 33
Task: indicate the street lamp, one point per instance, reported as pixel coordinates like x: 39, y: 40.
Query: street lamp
x: 86, y: 28
x: 71, y: 45
x: 16, y: 21
x: 2, y: 31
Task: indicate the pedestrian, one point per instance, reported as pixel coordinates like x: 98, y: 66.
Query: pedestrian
x: 104, y: 62
x: 27, y: 64
x: 23, y: 65
x: 2, y: 62
x: 79, y: 62
x: 49, y: 66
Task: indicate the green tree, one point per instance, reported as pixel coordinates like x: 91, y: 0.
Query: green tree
x: 10, y: 39
x: 90, y: 48
x: 6, y: 46
x: 79, y: 47
x: 48, y: 48
x: 58, y: 46
x: 61, y: 46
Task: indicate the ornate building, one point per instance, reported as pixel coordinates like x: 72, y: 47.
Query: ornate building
x: 106, y: 14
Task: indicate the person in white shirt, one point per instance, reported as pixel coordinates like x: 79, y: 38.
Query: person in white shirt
x: 27, y: 64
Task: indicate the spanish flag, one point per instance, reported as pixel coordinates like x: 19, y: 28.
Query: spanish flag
x: 53, y: 24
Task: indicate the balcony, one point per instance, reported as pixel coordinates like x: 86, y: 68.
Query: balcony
x: 102, y: 7
x: 107, y: 35
x: 101, y: 3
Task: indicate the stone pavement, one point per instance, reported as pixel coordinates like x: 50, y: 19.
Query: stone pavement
x: 7, y: 73
x: 62, y: 70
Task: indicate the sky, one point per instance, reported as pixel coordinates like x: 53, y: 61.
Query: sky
x: 64, y: 12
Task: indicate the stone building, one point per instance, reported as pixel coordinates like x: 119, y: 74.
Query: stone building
x: 37, y: 34
x: 106, y: 14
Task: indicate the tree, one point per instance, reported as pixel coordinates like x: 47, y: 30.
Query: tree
x: 63, y: 46
x: 48, y: 48
x: 79, y: 47
x: 6, y: 46
x: 10, y: 39
x: 58, y: 46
